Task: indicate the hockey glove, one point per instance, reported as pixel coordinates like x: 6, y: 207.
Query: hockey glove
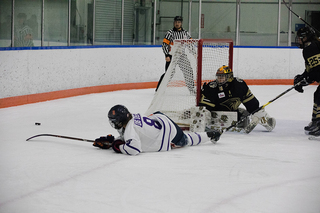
x: 214, y: 135
x: 116, y: 144
x: 302, y: 80
x: 104, y: 142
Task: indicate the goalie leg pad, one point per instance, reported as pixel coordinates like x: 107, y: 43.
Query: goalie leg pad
x: 266, y: 121
x: 243, y: 114
x: 200, y: 116
x: 254, y: 122
x: 263, y: 118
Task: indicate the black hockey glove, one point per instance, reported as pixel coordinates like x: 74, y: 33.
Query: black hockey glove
x: 302, y: 80
x: 116, y: 144
x: 214, y: 135
x: 104, y: 142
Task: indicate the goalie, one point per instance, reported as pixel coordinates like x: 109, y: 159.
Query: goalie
x: 226, y: 93
x: 154, y: 133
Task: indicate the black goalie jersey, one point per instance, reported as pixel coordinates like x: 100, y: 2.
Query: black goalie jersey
x: 228, y: 97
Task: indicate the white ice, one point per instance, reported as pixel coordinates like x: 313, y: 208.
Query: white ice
x: 263, y: 172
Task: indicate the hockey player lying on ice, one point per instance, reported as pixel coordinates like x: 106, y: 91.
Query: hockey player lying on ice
x: 226, y: 93
x: 154, y: 133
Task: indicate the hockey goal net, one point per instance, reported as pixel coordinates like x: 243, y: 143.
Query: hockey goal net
x: 193, y: 62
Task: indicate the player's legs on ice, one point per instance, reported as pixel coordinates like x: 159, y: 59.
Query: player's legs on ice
x: 314, y: 127
x: 195, y: 138
x: 191, y: 139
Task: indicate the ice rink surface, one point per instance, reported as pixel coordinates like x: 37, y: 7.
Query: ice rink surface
x: 260, y: 172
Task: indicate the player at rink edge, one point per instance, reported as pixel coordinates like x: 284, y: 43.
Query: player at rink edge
x: 153, y: 133
x: 227, y: 92
x: 307, y: 40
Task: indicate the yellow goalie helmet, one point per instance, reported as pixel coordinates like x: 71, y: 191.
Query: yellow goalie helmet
x: 224, y: 74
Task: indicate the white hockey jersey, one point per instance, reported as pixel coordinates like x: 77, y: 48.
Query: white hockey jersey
x: 148, y: 134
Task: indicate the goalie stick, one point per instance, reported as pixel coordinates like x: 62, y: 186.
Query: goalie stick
x: 300, y: 17
x: 61, y: 136
x: 263, y: 106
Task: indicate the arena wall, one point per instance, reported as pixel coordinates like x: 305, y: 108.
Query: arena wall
x: 32, y: 75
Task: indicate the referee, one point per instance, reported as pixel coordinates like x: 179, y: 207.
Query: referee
x: 176, y: 33
x: 23, y: 33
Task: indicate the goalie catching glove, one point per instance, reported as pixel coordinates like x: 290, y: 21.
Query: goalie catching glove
x: 104, y: 142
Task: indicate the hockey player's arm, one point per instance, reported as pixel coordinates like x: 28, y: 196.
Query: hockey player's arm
x: 312, y: 72
x: 131, y: 145
x: 313, y: 62
x: 205, y: 101
x: 249, y: 100
x: 303, y: 80
x: 311, y: 56
x: 251, y: 104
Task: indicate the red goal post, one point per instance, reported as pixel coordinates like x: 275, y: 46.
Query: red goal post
x: 194, y: 61
x: 204, y: 42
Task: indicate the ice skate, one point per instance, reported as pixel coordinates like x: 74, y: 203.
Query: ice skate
x: 312, y: 126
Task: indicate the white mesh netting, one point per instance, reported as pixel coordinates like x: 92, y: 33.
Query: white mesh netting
x: 178, y: 91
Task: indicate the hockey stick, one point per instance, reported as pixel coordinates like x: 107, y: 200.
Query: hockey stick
x: 60, y: 136
x: 263, y: 106
x: 300, y: 17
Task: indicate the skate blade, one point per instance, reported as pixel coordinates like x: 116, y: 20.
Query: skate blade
x: 316, y: 138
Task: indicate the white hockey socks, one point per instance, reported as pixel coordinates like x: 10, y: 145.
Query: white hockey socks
x: 195, y: 138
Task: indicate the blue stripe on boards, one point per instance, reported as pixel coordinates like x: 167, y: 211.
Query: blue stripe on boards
x: 77, y: 47
x: 122, y: 46
x: 266, y: 47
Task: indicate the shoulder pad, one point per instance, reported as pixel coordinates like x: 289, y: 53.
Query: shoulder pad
x: 238, y: 79
x: 213, y: 84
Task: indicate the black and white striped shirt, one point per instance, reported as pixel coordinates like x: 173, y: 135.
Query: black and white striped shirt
x: 21, y: 39
x: 170, y: 36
